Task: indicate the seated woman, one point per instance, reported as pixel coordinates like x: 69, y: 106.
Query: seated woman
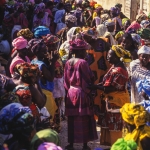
x: 115, y: 94
x: 135, y: 118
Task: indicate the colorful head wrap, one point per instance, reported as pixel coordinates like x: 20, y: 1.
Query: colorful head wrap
x: 97, y: 6
x: 27, y: 69
x: 121, y: 144
x: 115, y: 11
x: 49, y: 146
x: 136, y: 38
x: 109, y: 23
x: 26, y: 33
x: 134, y: 114
x: 124, y: 20
x: 16, y: 118
x: 50, y: 39
x: 123, y: 54
x: 90, y: 32
x: 144, y: 50
x: 39, y: 8
x: 78, y: 44
x: 48, y: 135
x: 41, y: 31
x: 119, y: 34
x: 19, y: 43
x: 134, y: 25
x: 70, y: 18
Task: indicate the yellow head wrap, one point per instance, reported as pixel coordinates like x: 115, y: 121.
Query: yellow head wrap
x: 97, y: 5
x: 122, y: 53
x: 119, y: 34
x: 124, y: 20
x: 135, y: 114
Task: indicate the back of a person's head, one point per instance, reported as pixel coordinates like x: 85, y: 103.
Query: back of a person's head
x: 49, y: 3
x: 60, y: 6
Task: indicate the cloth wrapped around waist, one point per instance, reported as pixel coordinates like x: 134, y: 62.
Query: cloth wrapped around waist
x: 118, y: 98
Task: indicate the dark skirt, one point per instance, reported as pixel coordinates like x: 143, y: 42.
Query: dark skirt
x: 81, y: 129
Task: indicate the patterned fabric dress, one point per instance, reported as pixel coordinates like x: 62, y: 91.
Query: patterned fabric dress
x: 98, y: 64
x: 79, y: 104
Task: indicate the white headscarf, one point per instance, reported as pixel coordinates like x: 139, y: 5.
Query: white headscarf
x: 144, y: 50
x: 101, y: 30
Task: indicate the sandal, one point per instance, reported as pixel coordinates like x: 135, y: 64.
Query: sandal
x: 86, y: 148
x: 68, y: 147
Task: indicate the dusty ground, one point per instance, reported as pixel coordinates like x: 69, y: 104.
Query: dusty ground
x: 63, y: 138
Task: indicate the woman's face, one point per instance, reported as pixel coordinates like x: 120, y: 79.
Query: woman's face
x: 127, y: 24
x: 111, y: 57
x: 144, y: 59
x: 126, y: 43
x: 52, y: 47
x: 43, y: 53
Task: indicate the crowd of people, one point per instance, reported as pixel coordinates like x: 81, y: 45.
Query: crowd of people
x: 73, y: 60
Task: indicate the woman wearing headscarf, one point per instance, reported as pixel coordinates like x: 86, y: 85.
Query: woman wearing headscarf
x: 129, y: 44
x: 106, y: 31
x: 40, y: 50
x: 19, y: 19
x: 20, y: 45
x: 114, y: 13
x: 41, y: 17
x: 27, y: 72
x: 140, y: 71
x: 79, y: 103
x: 18, y: 121
x: 115, y: 93
x: 135, y: 118
x: 96, y: 58
x: 59, y: 18
x: 51, y: 42
x: 70, y: 21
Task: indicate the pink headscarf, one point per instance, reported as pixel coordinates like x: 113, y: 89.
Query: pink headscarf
x: 19, y: 43
x: 49, y: 146
x: 135, y: 25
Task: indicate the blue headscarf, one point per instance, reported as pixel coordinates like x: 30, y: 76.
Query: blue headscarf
x: 14, y: 118
x: 41, y: 31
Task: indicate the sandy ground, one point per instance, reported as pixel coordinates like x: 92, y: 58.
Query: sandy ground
x: 63, y: 138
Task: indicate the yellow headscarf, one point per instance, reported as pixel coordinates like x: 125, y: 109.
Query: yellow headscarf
x: 119, y: 34
x: 122, y: 53
x: 135, y: 114
x: 124, y: 20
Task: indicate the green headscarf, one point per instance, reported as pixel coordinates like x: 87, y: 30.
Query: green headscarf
x: 124, y: 21
x: 121, y: 144
x: 47, y: 135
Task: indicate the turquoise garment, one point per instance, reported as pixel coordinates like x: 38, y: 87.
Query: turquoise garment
x: 49, y: 85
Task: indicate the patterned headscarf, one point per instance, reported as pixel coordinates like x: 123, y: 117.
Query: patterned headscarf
x: 27, y: 69
x: 115, y: 11
x: 124, y: 20
x: 70, y: 18
x: 49, y: 146
x: 136, y: 38
x: 19, y: 43
x: 141, y: 17
x: 144, y: 23
x: 39, y: 8
x: 41, y: 31
x: 50, y: 39
x: 26, y: 33
x: 78, y: 44
x: 123, y: 54
x: 14, y: 118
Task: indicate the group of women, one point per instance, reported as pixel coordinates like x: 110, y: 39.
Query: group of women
x: 73, y: 59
